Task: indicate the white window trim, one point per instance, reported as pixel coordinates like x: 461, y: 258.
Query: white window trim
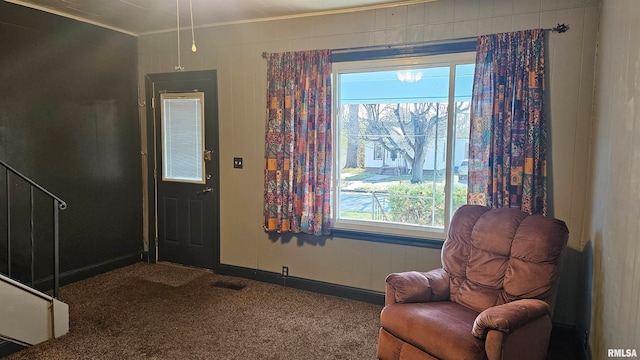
x: 386, y: 228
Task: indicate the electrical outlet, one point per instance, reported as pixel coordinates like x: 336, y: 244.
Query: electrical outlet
x: 285, y: 271
x: 237, y: 163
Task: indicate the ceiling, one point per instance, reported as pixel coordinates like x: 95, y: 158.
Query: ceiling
x: 139, y: 17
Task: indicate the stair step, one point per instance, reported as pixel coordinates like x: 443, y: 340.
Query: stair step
x: 29, y: 316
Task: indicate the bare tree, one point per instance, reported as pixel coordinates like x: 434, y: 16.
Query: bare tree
x: 462, y: 119
x: 406, y: 130
x: 352, y: 127
x: 379, y: 125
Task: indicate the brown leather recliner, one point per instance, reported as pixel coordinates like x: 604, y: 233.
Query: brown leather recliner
x: 493, y: 298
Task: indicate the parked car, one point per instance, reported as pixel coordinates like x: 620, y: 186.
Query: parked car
x: 463, y: 170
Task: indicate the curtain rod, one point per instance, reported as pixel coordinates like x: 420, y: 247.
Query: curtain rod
x: 559, y: 28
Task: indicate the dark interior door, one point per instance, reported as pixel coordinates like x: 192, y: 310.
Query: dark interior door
x: 186, y: 178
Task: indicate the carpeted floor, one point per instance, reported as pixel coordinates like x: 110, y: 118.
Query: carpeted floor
x: 168, y: 312
x: 165, y: 311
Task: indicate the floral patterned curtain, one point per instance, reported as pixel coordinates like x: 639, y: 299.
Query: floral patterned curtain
x: 508, y: 139
x: 297, y: 174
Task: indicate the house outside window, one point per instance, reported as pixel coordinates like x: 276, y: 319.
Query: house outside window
x: 402, y: 128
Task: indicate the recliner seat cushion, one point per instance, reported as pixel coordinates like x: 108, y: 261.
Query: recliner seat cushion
x: 441, y: 329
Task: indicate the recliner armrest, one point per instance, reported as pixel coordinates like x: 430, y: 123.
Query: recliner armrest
x: 509, y: 317
x: 413, y: 286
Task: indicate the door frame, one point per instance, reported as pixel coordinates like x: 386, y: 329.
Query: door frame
x: 151, y: 123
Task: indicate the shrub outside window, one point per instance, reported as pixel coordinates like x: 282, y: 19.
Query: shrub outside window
x: 401, y: 132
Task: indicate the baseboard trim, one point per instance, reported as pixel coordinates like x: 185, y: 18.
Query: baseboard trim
x: 321, y: 287
x: 7, y: 348
x: 570, y: 334
x: 86, y: 272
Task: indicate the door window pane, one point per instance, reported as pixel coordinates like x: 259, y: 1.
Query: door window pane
x: 183, y: 137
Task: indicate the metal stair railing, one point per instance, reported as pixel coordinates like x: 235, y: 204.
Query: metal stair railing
x: 58, y: 204
x: 377, y: 209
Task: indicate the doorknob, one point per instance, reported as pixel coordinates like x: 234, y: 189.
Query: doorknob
x: 204, y: 191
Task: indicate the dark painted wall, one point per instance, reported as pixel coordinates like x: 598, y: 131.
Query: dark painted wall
x: 69, y: 120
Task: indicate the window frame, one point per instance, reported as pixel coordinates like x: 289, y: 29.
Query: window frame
x: 405, y: 234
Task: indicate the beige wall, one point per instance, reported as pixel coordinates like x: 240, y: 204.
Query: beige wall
x: 613, y: 226
x: 235, y: 51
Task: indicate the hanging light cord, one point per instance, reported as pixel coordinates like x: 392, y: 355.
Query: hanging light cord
x: 193, y: 38
x: 179, y: 67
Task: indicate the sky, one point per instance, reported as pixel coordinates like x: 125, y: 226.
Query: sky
x: 375, y: 87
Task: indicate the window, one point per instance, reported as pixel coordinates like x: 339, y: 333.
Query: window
x: 183, y: 137
x: 402, y: 129
x: 378, y: 151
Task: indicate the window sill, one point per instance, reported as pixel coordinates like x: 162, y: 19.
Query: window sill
x: 388, y: 239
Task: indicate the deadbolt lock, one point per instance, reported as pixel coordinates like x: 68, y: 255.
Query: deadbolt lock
x: 208, y: 155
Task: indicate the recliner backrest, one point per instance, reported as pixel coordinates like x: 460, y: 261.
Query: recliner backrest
x: 495, y: 256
